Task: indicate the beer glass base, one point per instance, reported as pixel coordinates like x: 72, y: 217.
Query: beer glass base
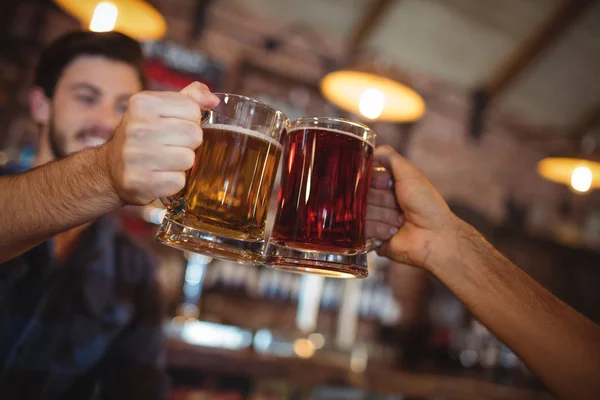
x: 183, y: 237
x: 302, y: 261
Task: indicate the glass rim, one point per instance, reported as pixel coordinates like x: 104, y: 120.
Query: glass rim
x: 252, y: 100
x: 368, y: 134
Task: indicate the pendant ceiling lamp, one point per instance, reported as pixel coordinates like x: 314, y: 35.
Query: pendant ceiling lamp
x: 581, y: 173
x: 374, y: 91
x: 135, y: 18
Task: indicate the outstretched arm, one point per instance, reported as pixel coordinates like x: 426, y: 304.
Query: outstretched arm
x: 557, y: 343
x: 147, y: 158
x: 53, y: 198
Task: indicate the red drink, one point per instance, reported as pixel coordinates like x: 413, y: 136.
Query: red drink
x: 323, y: 196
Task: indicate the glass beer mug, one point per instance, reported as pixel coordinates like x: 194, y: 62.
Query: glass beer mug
x: 319, y: 227
x: 222, y: 209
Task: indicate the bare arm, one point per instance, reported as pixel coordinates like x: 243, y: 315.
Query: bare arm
x: 53, y: 198
x: 147, y: 158
x: 560, y: 345
x: 557, y: 343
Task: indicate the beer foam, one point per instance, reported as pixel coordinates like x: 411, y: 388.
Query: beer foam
x: 330, y: 130
x: 244, y: 131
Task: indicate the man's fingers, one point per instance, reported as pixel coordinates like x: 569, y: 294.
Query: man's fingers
x: 398, y: 166
x: 178, y: 132
x: 383, y: 214
x: 200, y: 93
x: 173, y: 158
x: 187, y: 104
x: 167, y: 183
x: 382, y: 198
x: 380, y: 230
x: 381, y: 178
x: 146, y: 106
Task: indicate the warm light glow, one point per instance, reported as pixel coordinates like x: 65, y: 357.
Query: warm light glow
x: 317, y: 340
x: 580, y: 174
x: 104, y: 18
x: 371, y: 103
x: 371, y: 95
x: 358, y: 360
x: 304, y: 348
x: 581, y: 179
x: 135, y: 18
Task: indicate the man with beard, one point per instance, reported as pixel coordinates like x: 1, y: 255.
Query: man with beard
x: 80, y: 313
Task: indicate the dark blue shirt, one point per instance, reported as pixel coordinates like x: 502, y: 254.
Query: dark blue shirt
x: 89, y: 328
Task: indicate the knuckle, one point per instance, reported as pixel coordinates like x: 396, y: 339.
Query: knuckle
x: 188, y: 158
x: 196, y: 136
x: 386, y: 148
x: 199, y: 86
x: 138, y: 102
x: 173, y: 183
x: 180, y: 181
x: 194, y: 109
x: 138, y: 130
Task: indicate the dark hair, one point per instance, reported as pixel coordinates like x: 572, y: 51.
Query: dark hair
x: 60, y: 53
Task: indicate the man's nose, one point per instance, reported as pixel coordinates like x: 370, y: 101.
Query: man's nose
x: 105, y: 119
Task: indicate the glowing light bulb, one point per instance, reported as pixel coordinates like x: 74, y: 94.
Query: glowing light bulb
x: 581, y: 179
x: 304, y: 348
x: 104, y: 18
x: 371, y: 103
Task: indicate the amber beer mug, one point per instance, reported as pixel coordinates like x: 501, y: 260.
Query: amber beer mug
x: 222, y: 210
x: 319, y: 227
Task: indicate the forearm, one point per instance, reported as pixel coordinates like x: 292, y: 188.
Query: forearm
x: 53, y: 198
x: 560, y: 345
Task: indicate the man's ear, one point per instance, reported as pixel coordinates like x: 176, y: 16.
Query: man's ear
x: 39, y: 106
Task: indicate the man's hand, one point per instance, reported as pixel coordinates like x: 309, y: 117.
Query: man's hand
x: 405, y: 211
x: 154, y: 145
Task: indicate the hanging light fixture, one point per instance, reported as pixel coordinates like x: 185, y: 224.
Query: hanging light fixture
x: 373, y: 91
x: 582, y: 174
x: 579, y: 170
x: 135, y: 18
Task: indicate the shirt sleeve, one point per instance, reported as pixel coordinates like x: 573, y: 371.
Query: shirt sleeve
x: 135, y: 364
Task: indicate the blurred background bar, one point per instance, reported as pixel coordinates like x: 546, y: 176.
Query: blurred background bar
x: 497, y: 101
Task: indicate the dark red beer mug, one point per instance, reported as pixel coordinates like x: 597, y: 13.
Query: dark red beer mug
x: 319, y: 227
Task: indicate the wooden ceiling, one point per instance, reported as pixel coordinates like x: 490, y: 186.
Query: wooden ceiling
x: 539, y: 59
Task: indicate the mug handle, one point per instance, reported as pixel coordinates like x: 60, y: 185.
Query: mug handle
x: 373, y: 244
x: 175, y: 204
x: 168, y: 201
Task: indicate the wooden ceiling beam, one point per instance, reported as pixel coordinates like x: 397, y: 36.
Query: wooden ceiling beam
x: 561, y: 18
x: 557, y: 21
x: 371, y: 17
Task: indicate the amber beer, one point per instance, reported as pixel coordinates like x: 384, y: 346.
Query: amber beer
x: 228, y: 189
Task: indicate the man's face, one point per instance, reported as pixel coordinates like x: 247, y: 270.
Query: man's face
x: 89, y: 101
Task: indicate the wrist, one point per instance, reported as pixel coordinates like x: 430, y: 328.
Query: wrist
x: 103, y: 163
x: 445, y: 244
